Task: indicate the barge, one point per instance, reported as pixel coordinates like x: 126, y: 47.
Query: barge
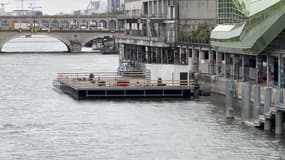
x: 129, y: 86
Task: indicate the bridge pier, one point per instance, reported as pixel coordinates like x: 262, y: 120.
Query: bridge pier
x: 75, y: 47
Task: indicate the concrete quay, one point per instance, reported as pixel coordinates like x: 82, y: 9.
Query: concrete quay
x: 261, y: 106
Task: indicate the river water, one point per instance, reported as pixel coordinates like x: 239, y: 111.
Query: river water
x: 39, y: 123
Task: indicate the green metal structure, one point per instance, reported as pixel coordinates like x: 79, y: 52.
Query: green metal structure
x: 262, y: 21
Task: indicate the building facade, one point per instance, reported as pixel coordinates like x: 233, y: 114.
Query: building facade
x: 153, y: 39
x: 114, y: 6
x: 249, y: 36
x: 238, y: 39
x: 94, y: 7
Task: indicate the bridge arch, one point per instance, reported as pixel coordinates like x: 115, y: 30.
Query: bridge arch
x: 112, y: 25
x: 66, y: 42
x: 74, y: 24
x: 64, y: 24
x: 45, y: 24
x: 84, y: 24
x: 103, y: 24
x: 4, y: 22
x: 36, y: 23
x: 93, y: 24
x: 54, y: 25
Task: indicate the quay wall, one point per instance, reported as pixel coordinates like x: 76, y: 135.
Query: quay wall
x: 218, y: 86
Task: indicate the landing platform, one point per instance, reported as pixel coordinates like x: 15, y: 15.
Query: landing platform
x: 112, y: 85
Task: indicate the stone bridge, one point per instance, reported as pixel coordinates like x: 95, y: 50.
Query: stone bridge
x: 73, y: 31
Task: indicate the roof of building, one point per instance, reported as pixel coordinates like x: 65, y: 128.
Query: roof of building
x: 252, y: 7
x: 253, y: 35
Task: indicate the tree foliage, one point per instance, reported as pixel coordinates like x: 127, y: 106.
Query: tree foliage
x: 202, y: 33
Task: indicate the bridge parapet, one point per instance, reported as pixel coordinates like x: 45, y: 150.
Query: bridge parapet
x: 102, y: 22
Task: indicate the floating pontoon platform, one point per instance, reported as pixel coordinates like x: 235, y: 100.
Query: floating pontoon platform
x: 113, y: 85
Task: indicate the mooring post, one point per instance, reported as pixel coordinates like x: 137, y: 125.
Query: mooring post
x: 267, y: 105
x: 256, y: 102
x: 245, y: 110
x: 229, y: 98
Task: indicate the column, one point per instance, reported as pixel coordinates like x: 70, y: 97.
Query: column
x: 267, y: 106
x: 121, y: 53
x: 229, y: 98
x: 218, y: 63
x: 211, y: 62
x: 174, y: 57
x: 279, y: 71
x: 278, y: 96
x: 280, y: 79
x: 243, y: 67
x: 148, y: 9
x: 225, y: 65
x: 174, y: 12
x: 234, y: 66
x: 152, y: 7
x: 162, y: 8
x: 166, y: 54
x: 195, y: 61
x: 146, y: 54
x: 151, y: 55
x: 157, y: 8
x: 156, y: 55
x: 126, y: 52
x: 201, y: 61
x: 256, y: 102
x: 169, y: 12
x: 279, y: 122
x: 180, y: 53
x: 256, y: 69
x: 245, y: 111
x: 138, y: 59
x: 187, y: 55
x: 267, y: 71
x: 161, y: 55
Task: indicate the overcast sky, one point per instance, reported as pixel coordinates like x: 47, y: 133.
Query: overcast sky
x: 49, y: 6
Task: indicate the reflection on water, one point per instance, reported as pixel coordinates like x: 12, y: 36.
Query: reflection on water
x: 39, y: 123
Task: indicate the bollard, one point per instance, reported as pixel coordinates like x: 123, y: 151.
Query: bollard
x: 267, y: 106
x: 256, y: 102
x: 229, y: 98
x: 245, y: 110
